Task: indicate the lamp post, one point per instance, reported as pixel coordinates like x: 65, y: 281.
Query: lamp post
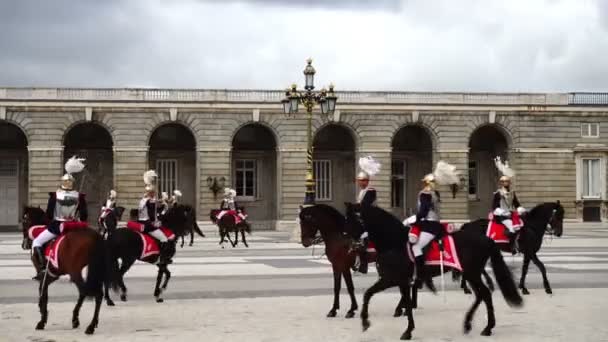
x: 326, y: 99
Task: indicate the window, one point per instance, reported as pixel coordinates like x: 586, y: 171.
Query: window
x: 590, y: 130
x: 591, y: 178
x: 246, y: 178
x: 398, y: 184
x: 473, y: 179
x: 322, y: 175
x: 167, y: 175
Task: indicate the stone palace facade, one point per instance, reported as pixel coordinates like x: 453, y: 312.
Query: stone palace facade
x: 202, y: 140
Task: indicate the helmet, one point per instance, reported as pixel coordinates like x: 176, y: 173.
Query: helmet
x: 67, y: 182
x: 362, y: 175
x: 150, y: 187
x: 429, y: 178
x: 505, y: 179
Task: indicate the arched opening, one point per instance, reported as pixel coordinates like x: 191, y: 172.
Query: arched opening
x: 412, y: 158
x: 13, y: 175
x: 485, y: 143
x: 254, y: 171
x: 94, y: 143
x: 173, y: 155
x: 334, y: 165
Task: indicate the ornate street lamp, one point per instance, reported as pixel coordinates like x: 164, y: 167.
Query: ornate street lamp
x: 326, y: 99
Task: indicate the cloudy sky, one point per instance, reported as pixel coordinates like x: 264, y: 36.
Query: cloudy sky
x: 464, y: 45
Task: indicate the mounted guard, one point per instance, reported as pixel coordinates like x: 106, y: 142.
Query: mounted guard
x: 367, y: 197
x: 506, y: 209
x: 66, y: 209
x: 108, y: 206
x: 229, y: 206
x: 428, y: 216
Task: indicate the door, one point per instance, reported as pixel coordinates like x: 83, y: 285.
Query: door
x: 9, y: 192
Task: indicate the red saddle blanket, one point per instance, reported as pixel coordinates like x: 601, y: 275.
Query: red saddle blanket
x: 51, y: 251
x: 448, y: 228
x: 497, y: 231
x: 150, y: 245
x: 450, y: 255
x: 238, y: 218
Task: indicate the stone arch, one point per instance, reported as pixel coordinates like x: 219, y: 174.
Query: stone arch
x: 91, y: 141
x: 334, y: 149
x: 485, y: 143
x: 411, y: 158
x: 172, y: 153
x: 254, y: 172
x: 13, y: 173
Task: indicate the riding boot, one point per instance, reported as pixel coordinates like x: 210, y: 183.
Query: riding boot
x: 422, y: 275
x: 363, y: 261
x: 513, y: 242
x: 41, y: 260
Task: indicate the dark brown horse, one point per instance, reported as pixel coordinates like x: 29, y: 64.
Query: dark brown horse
x: 226, y: 225
x: 79, y: 248
x: 329, y: 222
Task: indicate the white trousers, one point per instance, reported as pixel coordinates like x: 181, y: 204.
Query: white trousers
x: 159, y: 235
x: 509, y: 224
x: 423, y: 240
x: 43, y: 238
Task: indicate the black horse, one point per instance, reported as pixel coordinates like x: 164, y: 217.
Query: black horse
x: 338, y: 248
x: 395, y: 267
x: 191, y: 225
x: 126, y: 245
x: 542, y: 219
x: 109, y: 223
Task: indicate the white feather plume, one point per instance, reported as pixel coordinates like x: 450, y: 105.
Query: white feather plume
x: 369, y: 165
x: 177, y: 193
x: 113, y: 194
x: 504, y: 168
x: 150, y: 177
x: 446, y: 174
x: 164, y: 196
x: 74, y: 165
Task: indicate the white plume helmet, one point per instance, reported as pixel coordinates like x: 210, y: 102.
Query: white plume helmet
x: 446, y: 174
x: 113, y: 194
x: 164, y: 196
x: 74, y: 165
x: 150, y: 176
x: 504, y: 168
x: 177, y: 193
x: 369, y: 165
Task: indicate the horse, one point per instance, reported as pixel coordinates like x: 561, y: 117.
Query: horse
x: 329, y: 222
x: 191, y: 226
x: 127, y: 245
x: 79, y: 248
x: 396, y: 268
x: 544, y: 218
x: 109, y: 223
x: 226, y: 225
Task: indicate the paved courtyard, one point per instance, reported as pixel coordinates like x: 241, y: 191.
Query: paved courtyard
x: 277, y: 290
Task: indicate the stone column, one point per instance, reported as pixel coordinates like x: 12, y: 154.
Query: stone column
x: 454, y: 209
x: 45, y: 171
x: 130, y: 163
x: 292, y: 186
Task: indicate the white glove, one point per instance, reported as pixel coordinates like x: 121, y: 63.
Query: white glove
x: 409, y: 221
x: 521, y: 210
x: 413, y: 238
x: 501, y: 212
x: 156, y: 224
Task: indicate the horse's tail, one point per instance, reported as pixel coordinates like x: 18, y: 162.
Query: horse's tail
x: 504, y: 277
x: 195, y: 226
x: 97, y: 268
x: 112, y: 270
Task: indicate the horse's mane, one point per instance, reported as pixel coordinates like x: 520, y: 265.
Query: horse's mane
x: 384, y: 225
x: 36, y: 214
x: 541, y: 208
x: 333, y: 213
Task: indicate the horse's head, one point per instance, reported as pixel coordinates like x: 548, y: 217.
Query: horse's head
x: 354, y: 225
x: 32, y: 216
x: 176, y: 219
x: 557, y: 219
x: 133, y: 214
x: 110, y: 220
x: 308, y: 225
x: 213, y: 215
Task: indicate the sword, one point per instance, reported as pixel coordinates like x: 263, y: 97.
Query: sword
x: 441, y: 269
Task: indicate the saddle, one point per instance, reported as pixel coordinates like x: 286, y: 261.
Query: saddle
x: 51, y: 248
x: 499, y: 232
x: 433, y: 251
x: 150, y: 246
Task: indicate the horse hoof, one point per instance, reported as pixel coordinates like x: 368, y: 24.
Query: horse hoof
x: 332, y: 314
x: 90, y: 330
x: 75, y: 324
x: 467, y: 327
x: 467, y: 291
x: 525, y: 291
x: 123, y: 297
x: 549, y: 291
x: 350, y: 314
x: 110, y: 302
x: 406, y: 336
x: 486, y: 332
x: 365, y: 323
x: 40, y: 326
x: 159, y: 300
x: 398, y: 313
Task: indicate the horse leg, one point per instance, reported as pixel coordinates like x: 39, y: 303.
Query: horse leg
x: 380, y: 285
x: 337, y: 286
x: 243, y: 236
x: 79, y: 282
x: 400, y: 306
x: 91, y: 328
x: 43, y: 303
x: 543, y: 271
x: 407, y: 302
x: 124, y: 267
x: 167, y: 277
x: 524, y: 272
x: 486, y: 296
x: 488, y: 280
x: 182, y: 245
x: 157, y: 290
x: 348, y: 279
x: 464, y: 287
x: 415, y: 288
x: 236, y: 237
x: 475, y: 282
x: 106, y: 294
x: 191, y: 237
